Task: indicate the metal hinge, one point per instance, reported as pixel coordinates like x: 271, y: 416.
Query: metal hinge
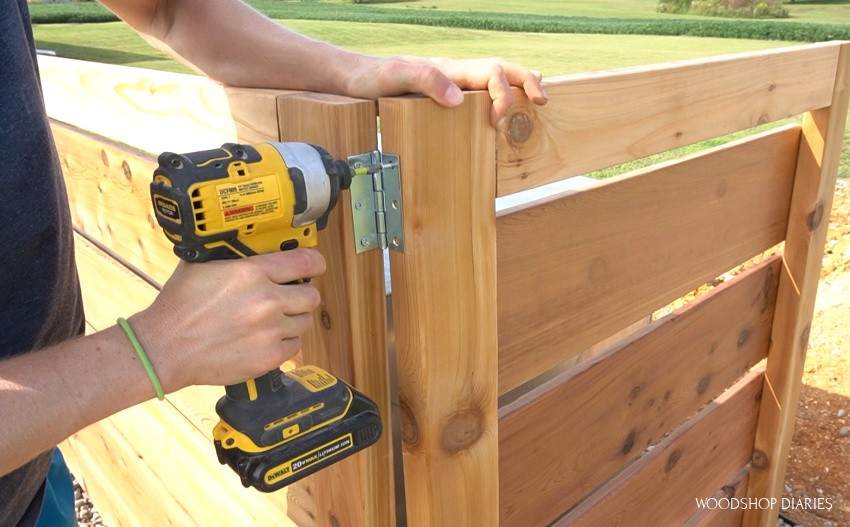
x: 376, y: 203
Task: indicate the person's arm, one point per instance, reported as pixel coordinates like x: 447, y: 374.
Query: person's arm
x: 234, y: 44
x: 213, y: 323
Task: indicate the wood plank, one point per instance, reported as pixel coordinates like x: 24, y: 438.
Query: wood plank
x: 108, y: 189
x: 150, y: 453
x: 110, y: 290
x: 444, y: 308
x: 600, y: 119
x: 724, y: 516
x: 820, y: 153
x: 154, y: 111
x: 148, y: 466
x: 573, y: 270
x: 122, y: 486
x: 301, y: 503
x: 349, y: 335
x: 662, y: 486
x: 627, y: 398
x: 254, y: 113
x: 582, y: 356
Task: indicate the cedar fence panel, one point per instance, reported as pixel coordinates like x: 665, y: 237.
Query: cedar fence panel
x: 534, y: 305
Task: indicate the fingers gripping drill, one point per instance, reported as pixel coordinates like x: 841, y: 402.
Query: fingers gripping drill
x: 242, y: 200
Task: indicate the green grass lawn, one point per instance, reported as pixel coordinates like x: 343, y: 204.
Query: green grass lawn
x: 553, y: 54
x: 818, y: 11
x: 589, y: 8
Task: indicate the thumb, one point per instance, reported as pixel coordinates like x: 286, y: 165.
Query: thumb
x: 426, y: 79
x: 451, y: 96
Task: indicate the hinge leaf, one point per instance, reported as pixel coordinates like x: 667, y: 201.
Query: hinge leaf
x: 376, y: 205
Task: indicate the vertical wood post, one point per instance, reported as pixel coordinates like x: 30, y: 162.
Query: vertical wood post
x: 444, y: 308
x: 814, y: 186
x: 349, y: 335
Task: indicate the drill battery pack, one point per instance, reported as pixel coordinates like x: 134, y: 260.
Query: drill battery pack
x: 269, y: 450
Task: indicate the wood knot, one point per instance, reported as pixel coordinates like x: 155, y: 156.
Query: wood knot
x: 463, y: 430
x: 326, y: 319
x: 703, y: 384
x: 744, y: 337
x: 104, y: 158
x: 760, y: 460
x: 126, y: 168
x: 520, y: 126
x: 409, y: 430
x: 629, y: 443
x: 815, y: 217
x: 672, y: 459
x: 334, y: 522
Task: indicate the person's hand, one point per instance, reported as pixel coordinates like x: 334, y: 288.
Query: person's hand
x: 223, y: 322
x: 443, y: 79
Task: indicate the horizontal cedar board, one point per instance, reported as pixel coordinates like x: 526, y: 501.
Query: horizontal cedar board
x: 153, y: 448
x: 564, y: 439
x: 154, y: 111
x: 574, y: 270
x: 661, y: 488
x: 109, y: 193
x: 724, y: 516
x: 601, y: 119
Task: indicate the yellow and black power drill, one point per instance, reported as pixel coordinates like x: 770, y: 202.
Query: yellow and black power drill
x: 239, y: 201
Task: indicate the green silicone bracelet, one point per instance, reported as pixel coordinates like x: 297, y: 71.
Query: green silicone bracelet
x: 140, y: 351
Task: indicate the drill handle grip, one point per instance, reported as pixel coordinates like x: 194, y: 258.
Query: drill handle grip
x: 258, y: 387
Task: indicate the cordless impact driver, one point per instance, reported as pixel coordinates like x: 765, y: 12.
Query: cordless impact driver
x: 238, y: 201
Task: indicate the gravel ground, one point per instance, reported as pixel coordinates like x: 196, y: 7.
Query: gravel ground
x: 87, y: 515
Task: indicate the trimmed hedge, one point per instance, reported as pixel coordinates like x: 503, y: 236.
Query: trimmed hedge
x: 70, y: 13
x: 744, y: 29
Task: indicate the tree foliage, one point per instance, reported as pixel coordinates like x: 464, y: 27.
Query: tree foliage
x: 725, y: 8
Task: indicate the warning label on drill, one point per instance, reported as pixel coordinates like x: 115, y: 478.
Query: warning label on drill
x: 326, y: 451
x: 249, y: 200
